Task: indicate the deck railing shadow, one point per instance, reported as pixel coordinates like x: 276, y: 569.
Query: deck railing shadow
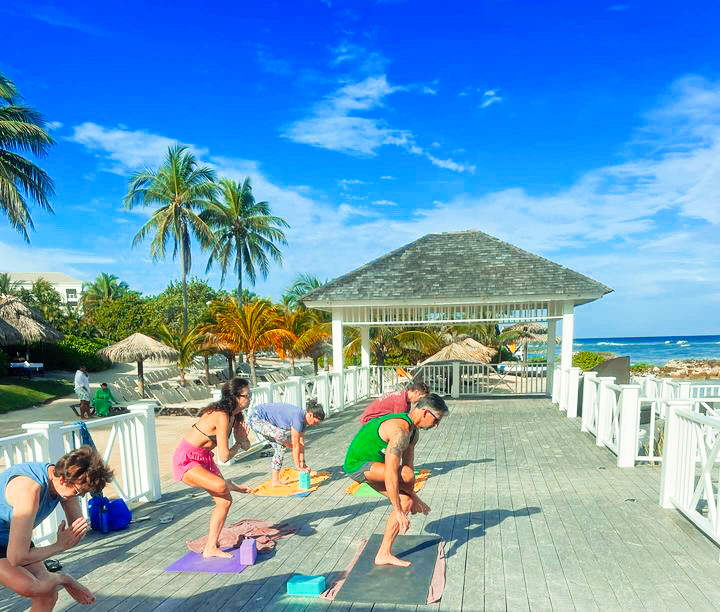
x: 476, y: 524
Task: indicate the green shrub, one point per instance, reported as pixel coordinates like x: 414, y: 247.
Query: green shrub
x: 585, y: 360
x: 641, y: 368
x: 68, y: 354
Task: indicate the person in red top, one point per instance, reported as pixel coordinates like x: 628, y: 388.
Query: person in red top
x: 395, y: 402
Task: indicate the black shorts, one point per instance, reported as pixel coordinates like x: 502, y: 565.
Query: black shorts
x: 359, y: 474
x: 3, y: 550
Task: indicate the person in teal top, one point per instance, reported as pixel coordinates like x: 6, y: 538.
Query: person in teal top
x: 29, y: 492
x: 103, y: 400
x: 382, y: 454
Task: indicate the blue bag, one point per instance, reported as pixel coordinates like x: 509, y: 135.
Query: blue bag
x: 106, y: 515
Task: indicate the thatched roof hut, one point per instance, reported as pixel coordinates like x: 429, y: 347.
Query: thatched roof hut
x: 138, y: 347
x: 464, y: 350
x: 20, y: 323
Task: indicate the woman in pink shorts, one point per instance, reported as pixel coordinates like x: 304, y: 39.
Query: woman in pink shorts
x: 193, y: 461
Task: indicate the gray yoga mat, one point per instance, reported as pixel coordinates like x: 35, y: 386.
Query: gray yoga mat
x: 370, y: 583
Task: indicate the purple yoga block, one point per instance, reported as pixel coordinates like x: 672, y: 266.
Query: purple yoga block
x: 248, y: 551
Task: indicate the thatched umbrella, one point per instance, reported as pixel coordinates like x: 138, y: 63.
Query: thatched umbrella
x: 20, y: 323
x: 138, y: 347
x: 463, y: 350
x: 528, y: 332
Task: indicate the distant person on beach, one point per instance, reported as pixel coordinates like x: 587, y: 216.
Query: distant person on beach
x: 29, y: 492
x: 395, y: 402
x: 382, y: 454
x: 283, y: 426
x: 82, y: 390
x: 103, y: 400
x: 193, y: 461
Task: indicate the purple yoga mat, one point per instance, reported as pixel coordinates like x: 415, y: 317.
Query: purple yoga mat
x: 196, y: 563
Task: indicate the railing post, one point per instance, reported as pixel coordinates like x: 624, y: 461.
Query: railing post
x: 671, y: 456
x: 269, y: 390
x: 351, y: 382
x: 556, y: 386
x: 603, y: 414
x: 52, y: 448
x: 455, y: 386
x: 589, y: 382
x: 628, y: 423
x: 685, y: 388
x: 215, y: 394
x: 146, y: 449
x: 564, y: 376
x: 298, y: 390
x: 322, y: 390
x: 573, y: 386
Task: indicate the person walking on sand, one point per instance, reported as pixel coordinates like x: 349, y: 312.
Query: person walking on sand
x: 395, y: 402
x: 382, y: 454
x: 82, y: 390
x: 283, y: 426
x: 193, y: 461
x: 29, y: 492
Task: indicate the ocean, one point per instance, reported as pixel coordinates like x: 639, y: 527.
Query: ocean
x: 655, y: 350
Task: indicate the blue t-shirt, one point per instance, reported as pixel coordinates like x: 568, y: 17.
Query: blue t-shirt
x: 284, y: 416
x: 34, y: 470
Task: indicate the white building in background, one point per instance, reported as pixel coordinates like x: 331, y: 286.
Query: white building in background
x: 69, y: 288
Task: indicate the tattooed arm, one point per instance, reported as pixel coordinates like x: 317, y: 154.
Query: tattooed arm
x: 398, y: 436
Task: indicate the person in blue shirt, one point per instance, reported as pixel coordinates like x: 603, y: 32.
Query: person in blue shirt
x: 283, y: 426
x: 29, y: 492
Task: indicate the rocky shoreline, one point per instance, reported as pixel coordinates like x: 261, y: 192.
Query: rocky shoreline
x: 687, y: 369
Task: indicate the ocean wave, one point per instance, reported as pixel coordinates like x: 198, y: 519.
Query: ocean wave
x: 612, y: 344
x: 683, y: 342
x: 668, y: 342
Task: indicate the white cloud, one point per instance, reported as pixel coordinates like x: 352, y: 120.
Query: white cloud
x: 335, y: 126
x: 384, y: 203
x: 271, y: 64
x: 54, y: 125
x: 358, y: 57
x: 37, y: 259
x: 346, y: 183
x: 429, y: 90
x: 387, y: 177
x: 449, y: 164
x: 490, y: 97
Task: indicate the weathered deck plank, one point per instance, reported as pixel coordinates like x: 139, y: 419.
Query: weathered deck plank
x: 535, y: 518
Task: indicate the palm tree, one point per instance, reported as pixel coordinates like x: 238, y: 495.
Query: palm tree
x: 247, y: 328
x: 188, y: 344
x: 245, y: 232
x: 301, y: 286
x: 22, y: 129
x: 104, y: 288
x: 182, y: 191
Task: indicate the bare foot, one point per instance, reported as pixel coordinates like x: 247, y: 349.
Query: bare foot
x: 216, y: 552
x: 78, y: 592
x: 383, y: 559
x: 279, y: 484
x: 239, y: 488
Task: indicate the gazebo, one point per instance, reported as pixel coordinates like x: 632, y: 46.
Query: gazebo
x: 456, y: 277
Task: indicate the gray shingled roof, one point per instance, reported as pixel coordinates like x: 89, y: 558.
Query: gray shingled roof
x: 458, y: 265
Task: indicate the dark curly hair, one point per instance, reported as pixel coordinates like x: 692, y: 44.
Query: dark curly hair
x: 85, y: 469
x: 313, y: 407
x: 229, y: 391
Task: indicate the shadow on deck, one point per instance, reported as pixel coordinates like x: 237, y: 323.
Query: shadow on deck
x: 535, y: 516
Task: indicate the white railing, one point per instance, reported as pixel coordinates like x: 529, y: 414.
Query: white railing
x: 591, y: 402
x: 690, y: 475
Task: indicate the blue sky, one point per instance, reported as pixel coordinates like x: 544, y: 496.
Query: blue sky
x: 588, y: 133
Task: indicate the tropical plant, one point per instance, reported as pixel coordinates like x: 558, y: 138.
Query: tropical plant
x: 387, y: 340
x: 247, y: 328
x: 7, y: 285
x: 104, y: 288
x: 245, y: 233
x: 168, y: 305
x: 45, y: 299
x: 118, y: 319
x: 187, y: 344
x: 22, y: 130
x: 182, y: 191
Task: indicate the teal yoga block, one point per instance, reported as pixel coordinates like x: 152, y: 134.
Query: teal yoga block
x: 304, y: 480
x: 306, y: 586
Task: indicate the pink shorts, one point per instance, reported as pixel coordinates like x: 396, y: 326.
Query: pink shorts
x: 187, y: 456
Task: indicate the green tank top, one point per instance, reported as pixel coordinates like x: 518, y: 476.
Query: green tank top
x: 367, y: 445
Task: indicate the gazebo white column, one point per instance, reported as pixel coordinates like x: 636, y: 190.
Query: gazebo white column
x: 550, y: 355
x: 568, y: 320
x: 337, y: 339
x: 364, y: 346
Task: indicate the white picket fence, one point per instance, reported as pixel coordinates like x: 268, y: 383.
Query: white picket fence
x: 656, y: 420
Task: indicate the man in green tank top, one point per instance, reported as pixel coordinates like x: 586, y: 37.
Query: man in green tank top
x: 382, y: 454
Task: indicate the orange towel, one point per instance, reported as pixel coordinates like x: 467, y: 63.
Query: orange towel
x: 419, y: 482
x: 289, y: 477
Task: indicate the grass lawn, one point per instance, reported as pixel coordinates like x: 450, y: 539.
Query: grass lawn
x: 23, y: 393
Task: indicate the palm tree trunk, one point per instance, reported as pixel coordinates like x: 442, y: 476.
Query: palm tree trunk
x: 253, y: 374
x: 184, y: 288
x: 229, y: 355
x: 141, y: 380
x: 239, y: 270
x: 182, y: 377
x: 207, y: 369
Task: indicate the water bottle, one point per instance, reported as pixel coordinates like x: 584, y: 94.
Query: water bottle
x: 104, y: 527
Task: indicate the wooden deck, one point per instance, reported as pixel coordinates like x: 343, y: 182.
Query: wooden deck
x: 535, y: 516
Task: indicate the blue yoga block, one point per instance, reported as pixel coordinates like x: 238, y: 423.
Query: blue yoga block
x: 306, y: 586
x: 248, y: 551
x: 304, y: 480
